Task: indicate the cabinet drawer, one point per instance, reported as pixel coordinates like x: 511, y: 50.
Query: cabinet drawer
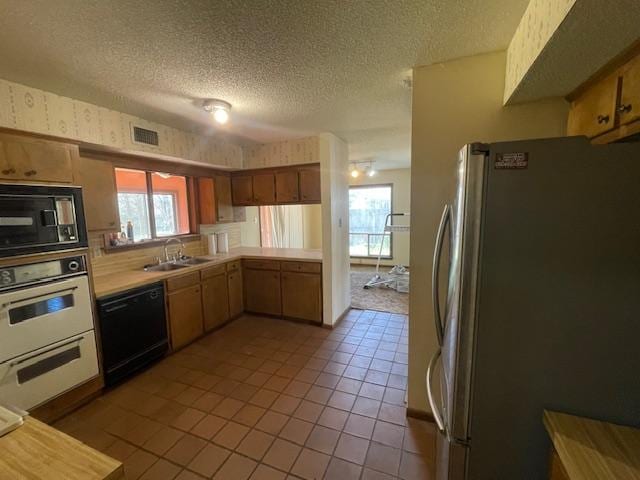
x: 212, y: 271
x: 262, y: 264
x: 183, y: 281
x: 233, y: 266
x: 307, y: 267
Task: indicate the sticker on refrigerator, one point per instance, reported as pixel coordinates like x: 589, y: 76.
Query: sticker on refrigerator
x: 511, y: 161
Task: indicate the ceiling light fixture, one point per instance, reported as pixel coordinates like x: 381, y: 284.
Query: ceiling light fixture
x: 355, y: 173
x: 218, y: 108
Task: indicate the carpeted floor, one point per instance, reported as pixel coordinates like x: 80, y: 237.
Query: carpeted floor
x: 379, y: 298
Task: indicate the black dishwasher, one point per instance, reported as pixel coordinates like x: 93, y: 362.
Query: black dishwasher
x: 133, y: 331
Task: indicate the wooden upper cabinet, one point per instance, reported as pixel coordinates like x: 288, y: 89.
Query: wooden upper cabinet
x: 310, y: 185
x: 264, y: 188
x: 594, y: 111
x: 224, y: 204
x: 36, y: 160
x: 206, y: 200
x: 242, y: 189
x: 287, y: 190
x: 629, y: 107
x: 99, y: 193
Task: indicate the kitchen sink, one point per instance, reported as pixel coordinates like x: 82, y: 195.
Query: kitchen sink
x: 165, y: 267
x: 194, y: 261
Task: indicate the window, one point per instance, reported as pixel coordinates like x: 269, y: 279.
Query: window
x: 368, y: 209
x: 166, y: 213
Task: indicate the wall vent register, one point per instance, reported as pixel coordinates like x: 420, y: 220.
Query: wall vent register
x: 147, y: 137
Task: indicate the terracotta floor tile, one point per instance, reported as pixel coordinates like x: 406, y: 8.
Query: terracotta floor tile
x: 264, y: 398
x: 231, y: 435
x: 207, y: 401
x: 323, y: 439
x: 319, y: 394
x: 138, y: 463
x: 327, y: 380
x: 255, y: 444
x: 360, y: 426
x: 276, y: 383
x: 285, y: 404
x: 249, y: 415
x: 282, y: 454
x: 168, y: 413
x: 236, y: 467
x: 341, y: 470
x: 360, y: 361
x: 310, y: 464
x: 189, y: 396
x: 369, y: 390
x: 316, y: 363
x: 120, y: 450
x: 349, y: 385
x: 187, y: 475
x: 296, y: 431
x: 357, y: 373
x: 188, y: 419
x: 185, y: 449
x: 258, y: 379
x: 264, y: 472
x: 209, y: 460
x: 388, y: 434
x: 163, y: 440
x: 244, y: 392
x: 377, y: 378
x: 150, y: 405
x: 272, y: 422
x: 393, y: 414
x: 207, y: 381
x: 270, y: 367
x: 161, y: 470
x: 366, y: 406
x: 227, y: 408
x: 208, y: 426
x: 397, y: 381
x: 420, y: 438
x: 225, y: 386
x: 308, y: 411
x: 144, y: 430
x: 342, y: 400
x: 297, y: 388
x: 352, y: 449
x: 384, y: 459
x: 415, y: 467
x: 394, y: 396
x: 333, y: 418
x: 307, y: 375
x: 334, y: 368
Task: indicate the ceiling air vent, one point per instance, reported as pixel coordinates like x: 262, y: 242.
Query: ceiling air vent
x: 147, y: 137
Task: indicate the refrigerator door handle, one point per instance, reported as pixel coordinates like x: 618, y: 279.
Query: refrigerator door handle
x: 435, y: 273
x: 434, y: 408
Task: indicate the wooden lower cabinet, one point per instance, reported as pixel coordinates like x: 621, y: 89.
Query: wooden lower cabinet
x: 185, y: 314
x: 262, y: 291
x: 302, y: 296
x: 215, y: 301
x: 236, y: 300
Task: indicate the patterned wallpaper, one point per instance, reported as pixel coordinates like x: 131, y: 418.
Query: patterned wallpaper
x: 33, y: 110
x: 539, y: 22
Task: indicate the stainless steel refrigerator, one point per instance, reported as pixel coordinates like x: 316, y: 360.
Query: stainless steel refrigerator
x: 541, y: 303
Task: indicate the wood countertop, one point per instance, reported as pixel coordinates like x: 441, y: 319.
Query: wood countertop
x: 591, y: 450
x: 109, y: 284
x: 37, y: 451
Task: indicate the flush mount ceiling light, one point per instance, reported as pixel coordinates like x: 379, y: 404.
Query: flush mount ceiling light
x: 218, y: 108
x: 362, y: 168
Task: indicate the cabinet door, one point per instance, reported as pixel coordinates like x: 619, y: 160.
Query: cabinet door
x: 206, y: 201
x: 629, y: 108
x: 287, y: 187
x: 36, y: 160
x: 262, y: 291
x: 215, y: 301
x: 264, y: 189
x: 99, y: 194
x: 223, y: 199
x: 302, y: 296
x: 236, y: 303
x: 594, y: 112
x: 185, y: 316
x: 310, y: 185
x: 242, y: 190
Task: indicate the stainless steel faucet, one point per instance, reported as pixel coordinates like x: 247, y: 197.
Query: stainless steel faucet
x: 180, y: 251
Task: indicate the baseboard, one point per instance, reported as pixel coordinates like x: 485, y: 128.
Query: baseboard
x: 420, y: 415
x: 339, y: 320
x: 68, y: 401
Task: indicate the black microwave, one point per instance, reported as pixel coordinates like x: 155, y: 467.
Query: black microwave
x: 40, y: 218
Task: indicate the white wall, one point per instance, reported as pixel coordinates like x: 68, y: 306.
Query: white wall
x: 334, y: 174
x: 250, y: 229
x: 311, y: 227
x: 455, y: 103
x: 401, y: 199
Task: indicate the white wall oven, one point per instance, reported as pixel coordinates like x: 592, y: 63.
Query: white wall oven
x: 40, y: 218
x: 47, y: 338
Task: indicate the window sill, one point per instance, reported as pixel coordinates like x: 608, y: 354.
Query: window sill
x: 372, y: 257
x: 108, y: 248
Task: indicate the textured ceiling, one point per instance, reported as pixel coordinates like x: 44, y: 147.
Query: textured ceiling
x: 289, y: 67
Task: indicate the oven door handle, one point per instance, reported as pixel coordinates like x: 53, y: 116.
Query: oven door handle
x: 44, y: 352
x: 44, y: 296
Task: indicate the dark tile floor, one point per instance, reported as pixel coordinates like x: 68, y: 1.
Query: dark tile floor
x: 266, y: 399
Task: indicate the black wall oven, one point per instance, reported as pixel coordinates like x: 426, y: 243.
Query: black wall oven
x: 40, y: 218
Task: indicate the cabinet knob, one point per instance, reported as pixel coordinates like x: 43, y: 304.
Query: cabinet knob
x: 9, y: 171
x: 625, y: 108
x: 111, y: 224
x: 603, y: 119
x: 30, y: 173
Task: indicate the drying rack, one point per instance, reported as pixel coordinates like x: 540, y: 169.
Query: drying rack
x: 398, y: 277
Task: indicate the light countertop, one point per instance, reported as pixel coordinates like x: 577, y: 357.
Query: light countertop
x: 38, y: 451
x: 590, y: 449
x: 118, y: 282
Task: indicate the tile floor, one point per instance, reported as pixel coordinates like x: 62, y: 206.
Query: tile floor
x: 265, y: 399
